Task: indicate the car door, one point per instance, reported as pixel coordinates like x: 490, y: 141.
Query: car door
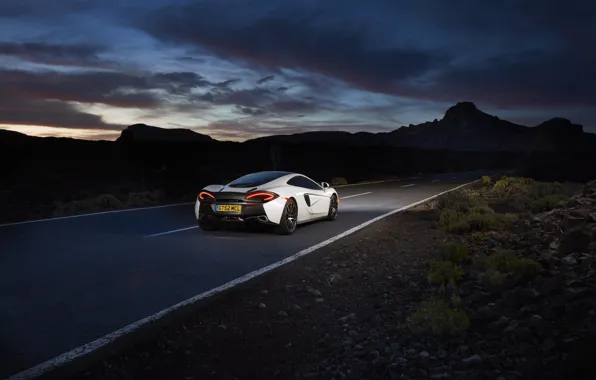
x: 315, y: 198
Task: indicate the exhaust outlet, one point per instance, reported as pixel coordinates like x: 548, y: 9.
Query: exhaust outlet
x: 263, y: 219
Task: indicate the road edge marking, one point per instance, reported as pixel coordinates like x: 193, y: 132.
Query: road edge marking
x: 171, y: 231
x: 88, y: 348
x: 95, y: 213
x: 355, y: 195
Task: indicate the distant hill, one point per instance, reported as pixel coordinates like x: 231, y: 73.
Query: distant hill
x: 147, y: 133
x: 463, y: 128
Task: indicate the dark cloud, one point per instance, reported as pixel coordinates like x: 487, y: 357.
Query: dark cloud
x: 226, y: 83
x: 42, y: 98
x: 179, y: 82
x: 530, y: 53
x: 110, y: 88
x: 26, y: 111
x: 251, y: 111
x: 266, y: 79
x: 292, y: 40
x: 532, y: 78
x: 90, y: 87
x: 57, y: 54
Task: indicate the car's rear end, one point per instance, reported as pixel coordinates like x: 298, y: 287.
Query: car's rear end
x: 215, y: 207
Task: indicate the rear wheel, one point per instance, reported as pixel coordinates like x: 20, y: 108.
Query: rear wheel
x: 289, y: 219
x: 333, y: 208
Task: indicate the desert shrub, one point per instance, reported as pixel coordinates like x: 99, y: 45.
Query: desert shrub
x: 146, y: 198
x: 482, y: 220
x: 508, y: 262
x: 436, y: 317
x: 492, y: 280
x: 339, y: 181
x: 105, y: 202
x: 458, y: 201
x: 508, y: 187
x: 485, y: 180
x: 453, y: 221
x: 442, y: 272
x: 454, y: 252
x: 547, y: 202
x: 476, y: 219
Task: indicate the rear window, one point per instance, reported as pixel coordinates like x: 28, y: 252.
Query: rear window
x: 256, y: 179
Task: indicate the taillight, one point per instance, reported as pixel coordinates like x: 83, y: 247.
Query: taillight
x: 205, y: 195
x: 263, y: 196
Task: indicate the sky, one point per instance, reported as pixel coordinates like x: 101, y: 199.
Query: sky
x: 239, y: 69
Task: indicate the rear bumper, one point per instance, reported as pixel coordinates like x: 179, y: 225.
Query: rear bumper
x: 251, y: 210
x: 254, y: 212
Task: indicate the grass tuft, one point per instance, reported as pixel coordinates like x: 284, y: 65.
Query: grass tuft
x: 454, y: 252
x: 442, y: 273
x: 436, y: 317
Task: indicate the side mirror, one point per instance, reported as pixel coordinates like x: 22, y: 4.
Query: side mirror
x: 325, y: 185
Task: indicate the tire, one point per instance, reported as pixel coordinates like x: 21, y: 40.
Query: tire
x: 289, y: 218
x: 333, y: 208
x: 207, y: 226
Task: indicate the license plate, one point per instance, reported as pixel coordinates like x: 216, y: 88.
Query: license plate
x: 228, y: 208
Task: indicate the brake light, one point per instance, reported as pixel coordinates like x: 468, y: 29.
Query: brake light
x: 205, y: 195
x: 264, y: 196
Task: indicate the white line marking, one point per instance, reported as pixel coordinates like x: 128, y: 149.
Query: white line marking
x: 411, y: 184
x: 355, y: 195
x: 94, y: 213
x: 171, y: 232
x: 85, y: 349
x: 435, y: 180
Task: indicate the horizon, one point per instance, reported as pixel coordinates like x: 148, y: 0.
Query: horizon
x: 88, y: 70
x: 113, y: 138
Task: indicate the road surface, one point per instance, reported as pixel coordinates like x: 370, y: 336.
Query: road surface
x: 66, y: 282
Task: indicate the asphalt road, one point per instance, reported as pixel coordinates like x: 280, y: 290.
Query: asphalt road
x: 66, y: 282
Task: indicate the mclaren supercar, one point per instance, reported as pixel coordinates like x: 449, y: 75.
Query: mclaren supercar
x: 281, y: 199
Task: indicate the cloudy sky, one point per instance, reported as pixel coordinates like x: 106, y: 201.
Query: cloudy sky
x: 237, y: 69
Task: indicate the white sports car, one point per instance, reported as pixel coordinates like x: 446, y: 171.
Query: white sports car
x: 278, y: 198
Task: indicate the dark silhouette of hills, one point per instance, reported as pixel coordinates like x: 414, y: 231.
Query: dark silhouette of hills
x: 146, y: 133
x: 36, y: 171
x: 463, y: 128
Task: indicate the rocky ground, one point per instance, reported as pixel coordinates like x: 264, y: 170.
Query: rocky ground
x: 494, y: 282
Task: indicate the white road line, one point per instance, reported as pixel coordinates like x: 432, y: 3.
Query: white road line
x: 86, y: 349
x: 355, y: 195
x: 435, y: 180
x: 411, y: 184
x: 94, y: 213
x: 171, y: 232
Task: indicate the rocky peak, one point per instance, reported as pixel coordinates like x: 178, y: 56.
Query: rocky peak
x: 462, y: 110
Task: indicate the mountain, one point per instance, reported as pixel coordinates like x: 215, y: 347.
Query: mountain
x: 146, y: 133
x: 463, y: 128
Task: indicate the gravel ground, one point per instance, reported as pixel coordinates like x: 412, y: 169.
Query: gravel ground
x: 341, y: 313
